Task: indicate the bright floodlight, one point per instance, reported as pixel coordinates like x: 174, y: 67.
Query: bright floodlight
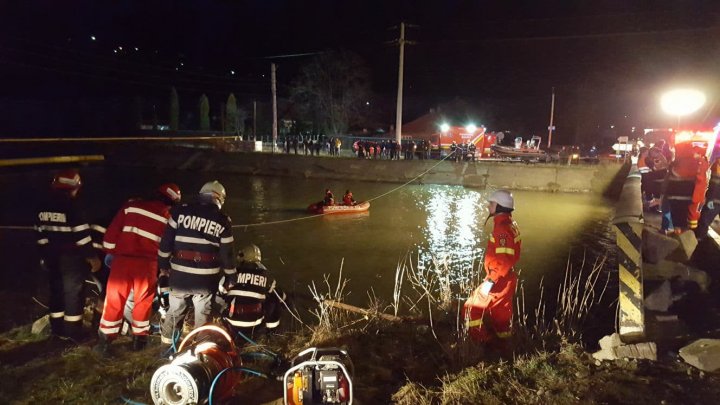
x: 471, y: 128
x: 682, y: 101
x: 444, y: 127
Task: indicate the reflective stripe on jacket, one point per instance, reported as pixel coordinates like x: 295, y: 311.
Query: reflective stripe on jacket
x: 201, y: 228
x: 503, y: 249
x: 137, y: 228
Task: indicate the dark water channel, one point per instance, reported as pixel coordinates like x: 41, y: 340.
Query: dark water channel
x: 424, y: 220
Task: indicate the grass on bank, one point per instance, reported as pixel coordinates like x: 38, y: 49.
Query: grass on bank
x: 425, y: 360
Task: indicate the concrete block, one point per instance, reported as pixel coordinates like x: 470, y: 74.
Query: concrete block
x: 610, y: 341
x: 645, y: 350
x: 667, y: 270
x: 41, y: 325
x: 660, y: 299
x: 688, y: 243
x: 605, y: 354
x: 656, y: 246
x: 703, y: 354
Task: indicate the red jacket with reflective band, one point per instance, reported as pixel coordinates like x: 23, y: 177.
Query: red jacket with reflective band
x: 503, y: 249
x: 136, y: 229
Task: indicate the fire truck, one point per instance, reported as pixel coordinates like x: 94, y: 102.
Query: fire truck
x: 682, y: 141
x: 463, y: 135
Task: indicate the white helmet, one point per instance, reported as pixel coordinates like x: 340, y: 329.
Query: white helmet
x: 216, y: 190
x: 250, y: 253
x: 504, y: 198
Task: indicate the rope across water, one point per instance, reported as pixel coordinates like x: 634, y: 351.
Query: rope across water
x: 282, y: 221
x: 371, y: 199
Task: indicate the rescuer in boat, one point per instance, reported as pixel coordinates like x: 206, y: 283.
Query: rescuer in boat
x: 253, y: 301
x: 488, y: 311
x: 66, y: 251
x: 329, y: 199
x: 195, y: 248
x: 348, y: 198
x: 132, y: 240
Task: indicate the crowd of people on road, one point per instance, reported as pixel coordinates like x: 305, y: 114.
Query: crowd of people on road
x: 364, y: 149
x: 676, y: 184
x: 306, y: 145
x: 162, y: 255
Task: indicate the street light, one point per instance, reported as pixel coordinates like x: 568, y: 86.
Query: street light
x: 682, y: 102
x: 444, y: 127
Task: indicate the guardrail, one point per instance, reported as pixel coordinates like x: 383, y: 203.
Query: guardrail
x: 628, y: 224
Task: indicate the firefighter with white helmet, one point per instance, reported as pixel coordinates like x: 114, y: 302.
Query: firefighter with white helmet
x: 132, y: 240
x: 195, y: 250
x: 488, y: 311
x: 253, y: 300
x: 66, y: 251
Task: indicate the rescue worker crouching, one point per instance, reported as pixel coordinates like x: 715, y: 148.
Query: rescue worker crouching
x: 195, y: 248
x: 252, y: 298
x: 66, y: 252
x: 488, y: 312
x: 131, y: 242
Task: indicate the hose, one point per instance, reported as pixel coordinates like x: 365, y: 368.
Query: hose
x: 217, y: 378
x: 252, y: 342
x: 131, y: 402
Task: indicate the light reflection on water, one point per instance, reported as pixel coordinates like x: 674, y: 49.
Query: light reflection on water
x: 453, y: 230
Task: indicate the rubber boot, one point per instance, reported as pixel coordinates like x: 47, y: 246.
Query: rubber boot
x: 57, y: 327
x: 74, y: 331
x: 103, y: 346
x: 139, y: 342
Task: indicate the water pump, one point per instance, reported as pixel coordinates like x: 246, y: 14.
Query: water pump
x: 205, y: 353
x: 319, y: 376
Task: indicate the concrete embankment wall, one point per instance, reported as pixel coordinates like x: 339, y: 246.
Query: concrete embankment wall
x: 519, y: 176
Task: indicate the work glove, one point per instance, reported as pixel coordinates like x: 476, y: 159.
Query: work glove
x: 163, y: 286
x: 486, y: 286
x: 108, y: 260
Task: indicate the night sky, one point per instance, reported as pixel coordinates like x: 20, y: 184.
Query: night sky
x: 608, y: 60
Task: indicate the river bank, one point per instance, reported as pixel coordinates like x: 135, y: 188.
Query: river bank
x: 598, y: 178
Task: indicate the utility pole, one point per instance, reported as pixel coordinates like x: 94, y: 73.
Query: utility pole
x: 274, y: 106
x: 398, y: 114
x: 552, y: 114
x: 254, y: 120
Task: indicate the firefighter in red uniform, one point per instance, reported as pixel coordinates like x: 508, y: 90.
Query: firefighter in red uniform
x: 685, y: 186
x: 712, y: 202
x: 701, y: 185
x: 133, y: 238
x: 66, y: 251
x: 488, y: 311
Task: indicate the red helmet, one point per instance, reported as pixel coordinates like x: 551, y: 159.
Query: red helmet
x: 67, y: 180
x: 171, y: 191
